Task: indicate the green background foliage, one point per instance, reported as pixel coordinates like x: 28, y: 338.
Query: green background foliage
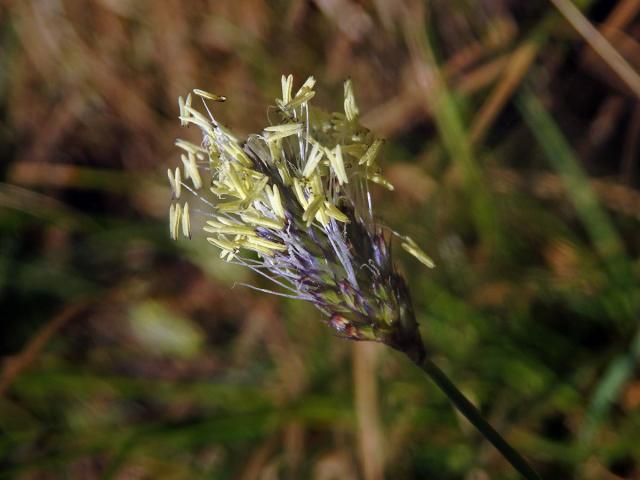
x: 513, y: 146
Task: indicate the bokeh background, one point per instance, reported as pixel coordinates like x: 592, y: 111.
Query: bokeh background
x: 513, y: 134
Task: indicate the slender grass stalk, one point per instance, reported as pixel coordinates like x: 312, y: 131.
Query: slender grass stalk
x: 293, y: 204
x: 471, y: 413
x: 606, y: 241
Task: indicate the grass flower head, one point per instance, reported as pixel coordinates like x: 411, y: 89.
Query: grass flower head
x: 293, y: 204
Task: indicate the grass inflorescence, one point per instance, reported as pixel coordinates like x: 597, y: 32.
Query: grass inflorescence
x: 293, y: 204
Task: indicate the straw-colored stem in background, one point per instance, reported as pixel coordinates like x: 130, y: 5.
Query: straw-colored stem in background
x: 600, y: 44
x: 366, y: 397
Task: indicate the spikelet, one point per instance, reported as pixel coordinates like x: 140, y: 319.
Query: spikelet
x: 209, y: 96
x: 412, y: 247
x: 350, y: 107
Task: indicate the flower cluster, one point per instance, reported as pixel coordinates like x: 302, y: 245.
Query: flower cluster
x: 293, y: 204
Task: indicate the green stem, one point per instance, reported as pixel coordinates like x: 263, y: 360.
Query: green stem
x: 472, y: 414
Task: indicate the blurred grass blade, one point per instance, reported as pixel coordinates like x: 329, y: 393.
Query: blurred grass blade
x: 562, y: 159
x: 608, y: 390
x: 451, y: 127
x: 43, y: 207
x: 606, y: 241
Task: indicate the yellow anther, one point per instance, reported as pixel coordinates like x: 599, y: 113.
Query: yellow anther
x: 312, y: 209
x: 209, y: 95
x: 261, y: 221
x: 273, y: 194
x: 297, y: 189
x: 175, y: 212
x: 350, y: 107
x: 261, y: 242
x: 287, y: 86
x: 370, y: 155
x: 412, y: 247
x: 222, y: 242
x: 337, y: 164
x: 211, y: 227
x: 334, y: 212
x: 176, y: 182
x: 312, y: 162
x: 380, y: 180
x: 186, y: 223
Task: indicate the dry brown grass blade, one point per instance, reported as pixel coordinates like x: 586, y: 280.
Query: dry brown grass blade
x: 629, y: 166
x: 175, y: 57
x: 60, y: 175
x: 463, y: 59
x: 483, y: 65
x: 257, y: 460
x: 599, y: 43
x: 18, y: 363
x: 42, y: 206
x: 63, y: 117
x: 62, y: 53
x: 603, y: 125
x: 294, y: 446
x: 482, y: 76
x: 548, y: 186
x: 516, y: 68
x: 403, y: 110
x: 366, y: 398
x: 349, y: 17
x: 623, y: 13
